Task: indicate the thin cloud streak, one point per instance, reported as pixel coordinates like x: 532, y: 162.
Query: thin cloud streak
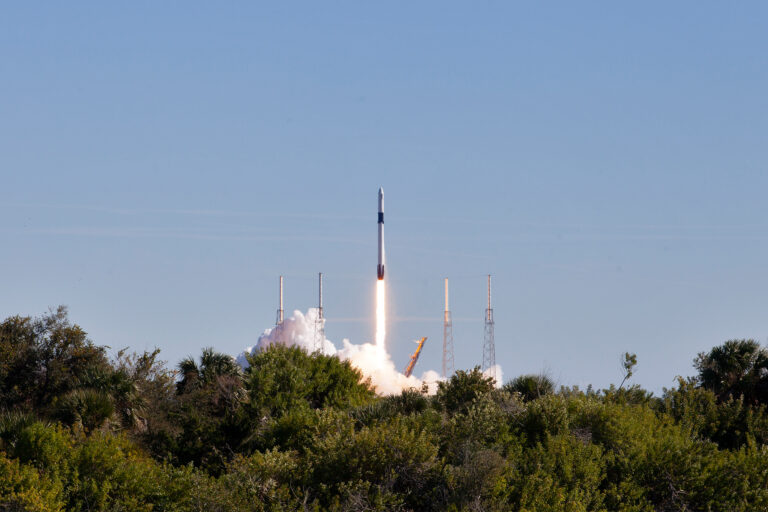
x: 394, y: 217
x: 186, y: 212
x: 177, y: 234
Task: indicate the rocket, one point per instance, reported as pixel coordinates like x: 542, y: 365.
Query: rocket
x: 380, y: 267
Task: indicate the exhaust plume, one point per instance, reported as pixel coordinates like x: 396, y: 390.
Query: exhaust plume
x: 381, y: 313
x: 495, y: 373
x: 371, y: 359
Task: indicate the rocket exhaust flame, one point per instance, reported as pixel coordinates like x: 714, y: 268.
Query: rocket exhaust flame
x: 381, y: 313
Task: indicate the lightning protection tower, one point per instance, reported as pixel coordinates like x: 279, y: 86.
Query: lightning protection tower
x: 280, y: 315
x: 319, y: 319
x: 448, y: 367
x: 489, y: 344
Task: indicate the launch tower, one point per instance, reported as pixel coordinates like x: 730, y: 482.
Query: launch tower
x: 319, y: 319
x: 280, y: 315
x: 448, y: 366
x: 489, y: 344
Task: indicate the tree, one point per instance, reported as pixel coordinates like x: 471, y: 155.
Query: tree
x: 531, y: 386
x: 281, y: 378
x: 458, y: 393
x: 730, y: 423
x: 735, y: 368
x: 144, y: 389
x: 374, y: 461
x: 213, y: 366
x: 44, y: 359
x: 202, y: 422
x: 628, y: 363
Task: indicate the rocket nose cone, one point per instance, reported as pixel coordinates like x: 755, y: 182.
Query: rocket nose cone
x: 381, y: 191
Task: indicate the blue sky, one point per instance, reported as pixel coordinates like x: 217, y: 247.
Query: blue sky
x: 163, y: 163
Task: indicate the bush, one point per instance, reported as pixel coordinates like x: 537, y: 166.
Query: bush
x: 457, y: 393
x: 730, y: 423
x: 280, y: 378
x: 545, y: 416
x: 390, y: 456
x: 530, y: 387
x: 266, y: 481
x: 559, y: 474
x: 306, y: 432
x: 23, y: 489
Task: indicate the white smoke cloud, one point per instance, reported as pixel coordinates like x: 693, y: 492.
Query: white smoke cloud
x: 372, y: 360
x: 297, y: 330
x: 495, y: 372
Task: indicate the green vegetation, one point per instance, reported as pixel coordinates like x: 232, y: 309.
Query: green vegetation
x: 306, y: 432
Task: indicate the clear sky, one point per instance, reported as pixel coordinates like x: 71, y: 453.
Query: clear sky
x: 163, y: 162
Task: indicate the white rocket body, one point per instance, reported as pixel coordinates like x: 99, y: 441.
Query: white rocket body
x: 380, y: 267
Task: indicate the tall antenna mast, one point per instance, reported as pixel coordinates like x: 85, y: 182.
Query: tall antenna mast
x: 489, y: 344
x: 319, y: 320
x: 448, y: 367
x: 280, y: 314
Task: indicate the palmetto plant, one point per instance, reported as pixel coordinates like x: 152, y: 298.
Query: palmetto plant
x: 531, y: 386
x: 213, y: 365
x: 735, y: 368
x: 88, y: 407
x: 11, y: 425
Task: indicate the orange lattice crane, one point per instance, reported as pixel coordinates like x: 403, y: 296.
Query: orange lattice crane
x: 414, y: 357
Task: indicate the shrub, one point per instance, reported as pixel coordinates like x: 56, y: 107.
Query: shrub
x: 530, y: 387
x: 23, y: 489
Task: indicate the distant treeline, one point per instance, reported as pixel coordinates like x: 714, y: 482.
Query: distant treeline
x: 296, y: 431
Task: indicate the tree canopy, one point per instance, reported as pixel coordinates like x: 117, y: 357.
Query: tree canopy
x: 299, y: 431
x: 734, y: 369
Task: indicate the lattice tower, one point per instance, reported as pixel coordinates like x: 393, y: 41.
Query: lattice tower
x: 448, y: 366
x: 319, y: 319
x: 489, y: 344
x: 280, y: 315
